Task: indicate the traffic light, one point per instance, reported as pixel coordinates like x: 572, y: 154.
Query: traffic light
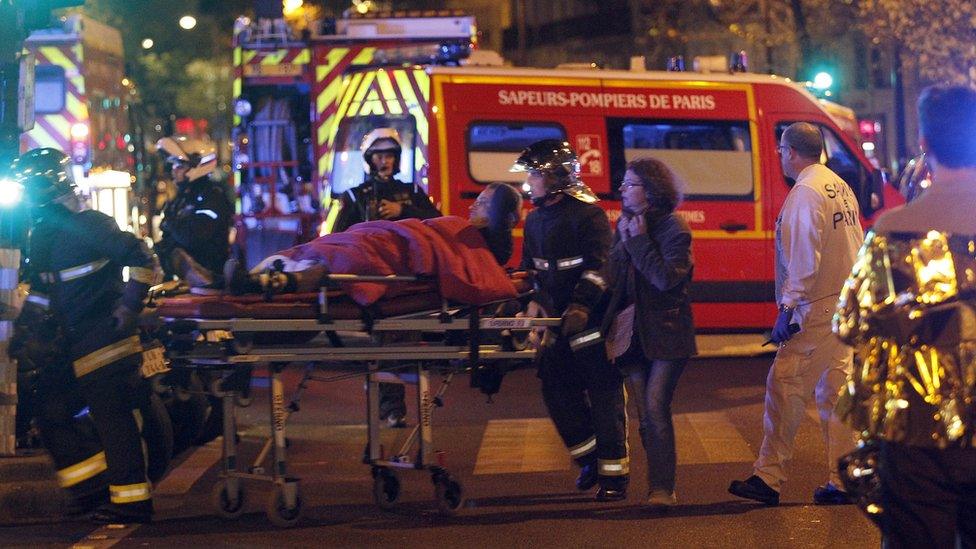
x: 37, y: 13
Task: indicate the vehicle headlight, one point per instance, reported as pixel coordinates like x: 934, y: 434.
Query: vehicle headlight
x: 11, y: 193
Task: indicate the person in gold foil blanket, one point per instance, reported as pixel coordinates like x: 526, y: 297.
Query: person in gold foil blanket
x: 909, y: 309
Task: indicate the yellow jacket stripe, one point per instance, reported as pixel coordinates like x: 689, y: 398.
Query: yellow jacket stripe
x: 130, y: 493
x: 82, y: 471
x: 107, y: 355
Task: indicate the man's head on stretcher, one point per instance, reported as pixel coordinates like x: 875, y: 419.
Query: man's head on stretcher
x: 494, y: 213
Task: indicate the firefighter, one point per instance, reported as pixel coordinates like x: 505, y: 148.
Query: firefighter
x: 567, y: 240
x: 74, y: 264
x: 381, y: 196
x: 196, y: 222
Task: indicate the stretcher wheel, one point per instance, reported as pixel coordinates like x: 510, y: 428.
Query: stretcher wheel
x: 278, y: 513
x: 386, y: 488
x: 220, y: 497
x: 449, y: 494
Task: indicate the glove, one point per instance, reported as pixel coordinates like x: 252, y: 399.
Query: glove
x: 783, y: 330
x: 125, y: 319
x: 575, y: 319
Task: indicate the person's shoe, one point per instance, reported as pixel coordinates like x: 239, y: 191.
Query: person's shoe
x: 828, y: 494
x: 587, y: 478
x: 396, y: 420
x: 79, y: 506
x: 660, y: 499
x: 130, y: 513
x: 612, y: 490
x: 756, y: 489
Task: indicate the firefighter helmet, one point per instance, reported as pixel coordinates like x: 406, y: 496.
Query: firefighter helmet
x: 556, y: 158
x: 198, y: 155
x: 45, y: 175
x: 381, y: 140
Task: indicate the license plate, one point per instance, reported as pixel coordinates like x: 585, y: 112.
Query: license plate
x: 153, y: 362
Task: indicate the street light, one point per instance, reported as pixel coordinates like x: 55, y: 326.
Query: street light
x: 823, y: 80
x: 187, y: 22
x: 147, y: 43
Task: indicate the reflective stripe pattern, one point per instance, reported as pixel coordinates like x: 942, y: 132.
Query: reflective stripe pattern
x: 129, y: 493
x: 72, y: 273
x: 145, y: 275
x: 585, y: 339
x: 82, y: 471
x: 209, y: 213
x: 595, y: 278
x: 107, y: 355
x: 563, y: 264
x: 613, y: 467
x: 583, y: 448
x: 40, y: 300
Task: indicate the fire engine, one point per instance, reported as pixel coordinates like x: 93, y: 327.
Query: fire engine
x: 464, y: 116
x: 81, y: 104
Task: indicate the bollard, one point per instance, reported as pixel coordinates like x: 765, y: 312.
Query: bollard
x: 9, y: 305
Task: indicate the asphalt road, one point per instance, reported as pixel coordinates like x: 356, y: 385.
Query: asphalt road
x: 517, y: 480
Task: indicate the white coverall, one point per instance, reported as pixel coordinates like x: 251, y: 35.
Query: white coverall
x: 818, y: 234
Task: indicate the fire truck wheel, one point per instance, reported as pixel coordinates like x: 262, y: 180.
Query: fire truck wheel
x: 224, y: 507
x: 278, y: 513
x: 386, y: 488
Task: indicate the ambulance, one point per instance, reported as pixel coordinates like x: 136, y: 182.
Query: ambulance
x: 81, y: 107
x: 463, y: 126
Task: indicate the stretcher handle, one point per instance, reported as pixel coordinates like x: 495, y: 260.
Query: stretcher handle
x: 370, y: 278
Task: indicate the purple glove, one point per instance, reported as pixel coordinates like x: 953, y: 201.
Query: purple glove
x: 783, y: 329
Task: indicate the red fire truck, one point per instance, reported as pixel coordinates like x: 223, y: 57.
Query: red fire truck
x: 81, y: 107
x: 462, y: 127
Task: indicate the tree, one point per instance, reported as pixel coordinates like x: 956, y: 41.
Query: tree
x: 939, y: 38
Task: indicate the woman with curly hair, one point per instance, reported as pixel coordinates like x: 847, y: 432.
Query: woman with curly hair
x: 650, y: 333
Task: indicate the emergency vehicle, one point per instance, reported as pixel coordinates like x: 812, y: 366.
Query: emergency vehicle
x: 463, y: 126
x: 81, y: 107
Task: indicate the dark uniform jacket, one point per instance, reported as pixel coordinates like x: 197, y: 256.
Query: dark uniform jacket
x: 361, y: 203
x: 566, y: 244
x: 75, y: 272
x: 653, y: 271
x: 198, y: 220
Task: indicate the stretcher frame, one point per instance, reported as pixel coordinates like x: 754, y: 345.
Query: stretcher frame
x: 236, y: 355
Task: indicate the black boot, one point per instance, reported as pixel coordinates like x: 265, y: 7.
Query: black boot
x: 588, y: 476
x: 612, y: 488
x: 82, y: 504
x: 139, y: 512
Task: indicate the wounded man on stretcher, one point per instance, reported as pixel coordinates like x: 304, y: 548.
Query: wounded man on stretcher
x: 463, y: 256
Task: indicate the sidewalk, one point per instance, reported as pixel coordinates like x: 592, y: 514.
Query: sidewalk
x: 29, y: 490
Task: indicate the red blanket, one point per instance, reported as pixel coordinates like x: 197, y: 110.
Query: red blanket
x: 447, y: 248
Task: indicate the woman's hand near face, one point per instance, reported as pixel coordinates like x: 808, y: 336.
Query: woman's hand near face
x: 623, y: 227
x: 638, y: 225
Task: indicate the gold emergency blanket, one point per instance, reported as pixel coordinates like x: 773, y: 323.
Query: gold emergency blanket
x: 909, y: 311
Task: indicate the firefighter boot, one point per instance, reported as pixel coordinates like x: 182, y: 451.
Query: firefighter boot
x: 613, y: 488
x: 588, y: 476
x: 83, y: 503
x: 139, y: 512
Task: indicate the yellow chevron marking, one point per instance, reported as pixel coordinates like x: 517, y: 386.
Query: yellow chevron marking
x: 364, y: 57
x: 61, y: 125
x: 57, y: 57
x: 43, y: 139
x: 386, y: 86
x: 406, y: 88
x: 76, y: 107
x: 331, y: 60
x: 303, y: 57
x: 364, y: 87
x: 238, y: 55
x: 423, y: 129
x: 351, y: 89
x: 79, y: 53
x: 274, y: 57
x: 419, y: 158
x: 423, y: 83
x: 249, y: 56
x: 323, y: 132
x: 371, y: 104
x: 328, y: 96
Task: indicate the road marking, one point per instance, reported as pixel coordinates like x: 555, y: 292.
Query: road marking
x: 710, y: 438
x: 529, y: 445
x: 176, y: 483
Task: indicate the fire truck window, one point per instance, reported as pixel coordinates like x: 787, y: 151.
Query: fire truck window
x: 493, y: 147
x: 347, y: 168
x: 712, y: 158
x: 48, y: 89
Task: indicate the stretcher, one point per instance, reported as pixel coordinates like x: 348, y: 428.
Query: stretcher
x: 228, y: 336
